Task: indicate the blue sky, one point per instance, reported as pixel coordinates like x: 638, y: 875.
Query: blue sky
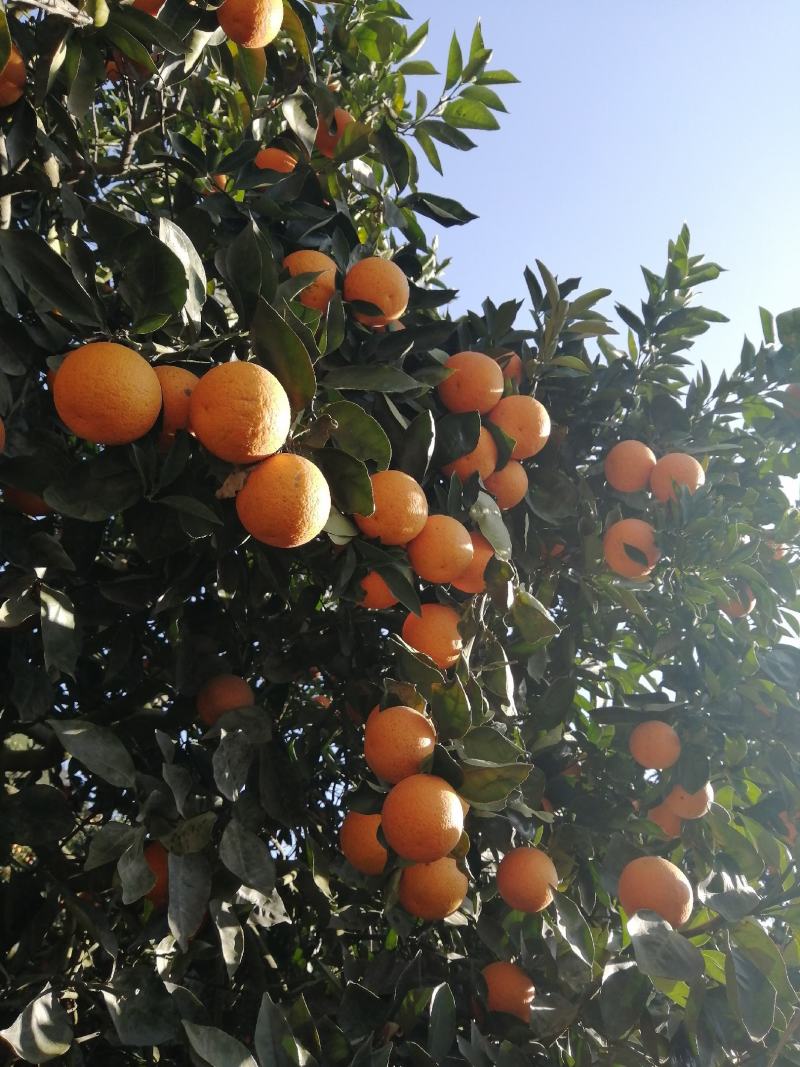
x: 631, y: 118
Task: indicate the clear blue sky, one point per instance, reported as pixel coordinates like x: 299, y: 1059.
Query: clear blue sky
x: 631, y: 118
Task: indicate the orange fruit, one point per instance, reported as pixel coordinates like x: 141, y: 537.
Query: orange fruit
x: 2, y: 435
x: 554, y: 550
x: 677, y: 467
x: 509, y: 485
x: 177, y: 386
x: 655, y: 745
x: 472, y: 580
x: 377, y: 593
x: 220, y: 181
x: 640, y: 535
x: 654, y: 884
x: 150, y: 7
x: 524, y: 419
x: 319, y: 294
x: 379, y: 282
x: 422, y: 818
x: 434, y: 633
x: 525, y: 879
x: 12, y: 78
x: 322, y: 701
x: 441, y: 551
x: 483, y: 459
x: 475, y: 384
x: 742, y: 606
x: 251, y: 23
x: 275, y: 159
x: 222, y: 693
x: 27, y: 503
x: 401, y: 509
x: 107, y: 393
x: 690, y: 805
x: 511, y: 365
x: 433, y: 890
x: 666, y: 819
x: 397, y: 741
x: 628, y: 466
x: 157, y: 859
x: 239, y: 412
x: 359, y: 842
x: 508, y: 989
x: 285, y: 501
x: 330, y: 129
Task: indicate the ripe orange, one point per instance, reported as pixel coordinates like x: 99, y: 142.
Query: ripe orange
x: 475, y: 384
x: 251, y: 23
x: 655, y: 745
x: 379, y: 282
x: 401, y: 509
x: 222, y: 693
x: 275, y: 159
x: 434, y: 633
x: 433, y: 890
x: 361, y: 848
x: 285, y: 501
x: 441, y: 551
x: 655, y: 884
x: 151, y: 7
x: 422, y: 818
x: 628, y: 466
x: 177, y: 386
x: 330, y: 129
x: 2, y: 435
x: 638, y: 534
x: 397, y: 741
x: 483, y: 459
x: 509, y: 485
x: 220, y: 181
x: 239, y: 412
x: 666, y: 819
x: 472, y: 580
x: 508, y: 989
x: 553, y: 551
x: 677, y: 467
x: 690, y: 805
x: 511, y: 366
x: 157, y: 859
x: 525, y: 879
x: 27, y: 503
x: 107, y: 393
x: 377, y: 593
x: 12, y: 78
x: 524, y: 419
x: 742, y: 606
x: 320, y: 293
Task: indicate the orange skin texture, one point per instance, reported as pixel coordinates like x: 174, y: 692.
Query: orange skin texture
x: 28, y: 503
x: 422, y: 818
x: 107, y: 393
x: 655, y: 884
x: 633, y: 532
x: 524, y: 419
x: 628, y: 466
x: 397, y: 741
x: 177, y: 386
x: 157, y: 859
x: 483, y: 459
x: 401, y: 509
x: 358, y: 838
x: 329, y: 131
x: 377, y: 594
x: 509, y: 485
x: 690, y: 805
x: 666, y: 820
x: 508, y: 989
x: 655, y: 745
x: 476, y: 383
x: 472, y: 580
x: 675, y: 467
x: 2, y: 435
x: 441, y: 551
x: 240, y: 412
x: 434, y: 633
x: 739, y: 609
x: 251, y: 23
x: 319, y: 294
x: 275, y: 159
x: 285, y: 502
x: 433, y: 891
x: 525, y: 879
x: 151, y: 7
x: 221, y: 694
x: 12, y: 78
x: 379, y: 282
x: 511, y: 365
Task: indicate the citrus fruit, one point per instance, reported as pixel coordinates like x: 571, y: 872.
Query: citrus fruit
x: 157, y: 859
x: 275, y: 159
x: 511, y: 366
x: 742, y: 605
x: 220, y: 181
x: 482, y: 459
x: 251, y: 23
x: 638, y: 534
x: 12, y: 78
x: 526, y: 878
x: 330, y: 129
x: 666, y: 820
x: 441, y: 550
x: 434, y: 633
x: 433, y: 890
x: 677, y: 467
x: 509, y: 485
x: 285, y: 501
x: 524, y: 419
x: 2, y: 435
x: 379, y: 282
x: 222, y: 693
x: 652, y: 883
x: 690, y: 805
x: 177, y: 386
x: 377, y: 593
x: 401, y: 509
x: 317, y: 295
x: 655, y: 745
x: 628, y: 466
x: 422, y: 818
x: 397, y: 741
x: 27, y: 503
x: 472, y: 580
x: 508, y: 989
x: 150, y: 7
x: 475, y: 384
x: 361, y: 848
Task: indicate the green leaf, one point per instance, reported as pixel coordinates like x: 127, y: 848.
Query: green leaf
x: 750, y: 997
x: 485, y: 96
x: 448, y: 135
x: 108, y: 844
x: 574, y: 928
x: 349, y: 481
x: 34, y: 265
x: 358, y: 433
x: 95, y: 489
x: 154, y: 283
x: 788, y: 326
x: 60, y: 634
x: 247, y: 856
x: 274, y: 1042
x: 661, y: 953
x: 488, y: 744
x: 189, y: 890
x: 497, y: 77
x: 441, y: 209
x: 457, y: 435
x: 442, y: 1022
x: 450, y: 709
x: 417, y: 66
x: 178, y: 242
x: 455, y: 64
x: 623, y: 996
x: 36, y: 815
x: 216, y: 1047
x: 489, y: 518
x: 98, y: 749
x: 281, y: 351
x: 469, y: 115
x: 41, y: 1031
x: 230, y: 932
x: 485, y: 784
x: 376, y: 378
x: 761, y: 950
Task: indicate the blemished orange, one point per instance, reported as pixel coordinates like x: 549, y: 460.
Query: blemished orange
x: 434, y: 633
x: 508, y: 989
x: 379, y: 282
x: 628, y: 466
x: 251, y: 23
x: 524, y: 419
x: 526, y: 878
x: 475, y: 384
x: 275, y: 159
x: 666, y: 820
x: 330, y: 129
x: 285, y: 502
x: 640, y: 535
x: 472, y: 580
x: 157, y: 859
x: 511, y: 365
x: 401, y: 509
x: 434, y: 890
x: 12, y: 78
x: 222, y: 693
x: 358, y: 838
x: 482, y: 459
x: 397, y: 741
x: 655, y: 745
x: 177, y: 386
x: 677, y: 467
x: 742, y: 605
x: 107, y: 393
x: 151, y: 7
x: 28, y: 503
x: 320, y: 293
x: 654, y: 884
x: 441, y: 551
x: 240, y: 412
x: 376, y: 593
x: 422, y: 818
x: 509, y: 485
x: 690, y: 805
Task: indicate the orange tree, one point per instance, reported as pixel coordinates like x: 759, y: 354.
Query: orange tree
x: 248, y: 499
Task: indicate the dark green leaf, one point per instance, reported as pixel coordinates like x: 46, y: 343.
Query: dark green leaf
x: 216, y: 1047
x: 450, y: 709
x: 35, y: 265
x: 359, y: 433
x: 189, y: 890
x: 469, y: 115
x: 247, y: 856
x: 98, y: 749
x: 41, y: 1031
x: 484, y: 784
x: 381, y: 379
x: 349, y: 481
x: 281, y: 351
x: 661, y: 953
x: 455, y: 63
